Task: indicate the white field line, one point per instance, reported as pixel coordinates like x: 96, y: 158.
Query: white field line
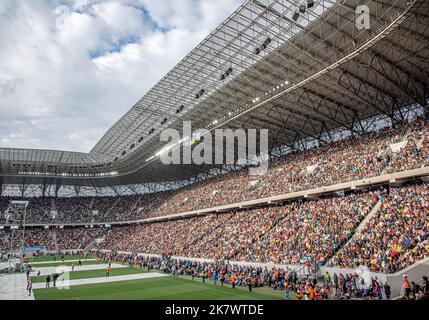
x: 80, y: 282
x: 58, y: 261
x: 51, y: 270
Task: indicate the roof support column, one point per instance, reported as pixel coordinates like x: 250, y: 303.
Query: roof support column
x: 77, y: 190
x: 57, y: 188
x: 115, y: 190
x: 44, y: 187
x: 23, y: 188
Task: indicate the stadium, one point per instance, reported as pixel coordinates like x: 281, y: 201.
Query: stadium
x: 339, y: 210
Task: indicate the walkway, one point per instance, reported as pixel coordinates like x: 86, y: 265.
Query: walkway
x: 14, y: 287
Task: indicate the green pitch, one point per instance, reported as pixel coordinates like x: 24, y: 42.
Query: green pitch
x: 163, y: 288
x: 75, y: 275
x: 57, y: 258
x: 56, y: 264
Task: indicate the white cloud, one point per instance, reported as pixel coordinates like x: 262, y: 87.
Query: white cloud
x: 65, y: 79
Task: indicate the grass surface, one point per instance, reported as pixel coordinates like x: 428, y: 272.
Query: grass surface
x: 56, y: 264
x: 58, y: 258
x: 164, y: 288
x: 87, y: 274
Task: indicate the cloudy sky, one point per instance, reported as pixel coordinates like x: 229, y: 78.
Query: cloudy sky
x: 70, y: 69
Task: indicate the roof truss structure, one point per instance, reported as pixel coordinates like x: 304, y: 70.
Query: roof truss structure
x: 317, y: 74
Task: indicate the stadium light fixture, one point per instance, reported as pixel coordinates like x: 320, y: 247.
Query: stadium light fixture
x: 263, y: 46
x: 226, y: 74
x: 200, y: 93
x: 267, y: 42
x: 180, y: 109
x: 295, y: 16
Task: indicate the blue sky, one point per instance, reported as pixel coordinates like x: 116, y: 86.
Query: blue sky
x: 70, y: 69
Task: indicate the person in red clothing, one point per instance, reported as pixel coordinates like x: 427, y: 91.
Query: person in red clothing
x: 406, y: 286
x: 232, y: 281
x: 312, y: 293
x: 107, y: 271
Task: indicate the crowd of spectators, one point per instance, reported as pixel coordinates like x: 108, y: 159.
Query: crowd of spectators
x: 49, y: 210
x: 235, y: 233
x: 345, y: 160
x: 312, y: 231
x: 396, y: 236
x: 263, y: 234
x: 169, y: 237
x: 315, y: 232
x: 52, y: 239
x: 415, y: 153
x: 308, y: 287
x: 309, y: 232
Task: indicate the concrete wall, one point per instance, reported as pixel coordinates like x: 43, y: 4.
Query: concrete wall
x: 414, y: 272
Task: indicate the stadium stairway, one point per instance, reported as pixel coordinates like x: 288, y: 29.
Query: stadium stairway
x: 93, y: 245
x: 91, y: 205
x: 405, y: 136
x: 134, y: 208
x: 205, y: 234
x: 54, y: 238
x: 53, y: 208
x: 112, y: 207
x: 361, y: 226
x: 365, y: 221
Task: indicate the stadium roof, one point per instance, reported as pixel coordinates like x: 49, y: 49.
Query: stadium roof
x: 317, y: 72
